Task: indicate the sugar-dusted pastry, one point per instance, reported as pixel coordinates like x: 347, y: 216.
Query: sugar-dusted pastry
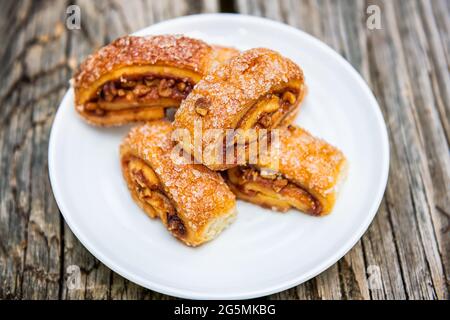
x: 193, y: 202
x: 138, y: 78
x: 257, y: 89
x: 308, y: 176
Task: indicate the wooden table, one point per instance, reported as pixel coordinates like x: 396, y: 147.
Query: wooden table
x: 404, y: 255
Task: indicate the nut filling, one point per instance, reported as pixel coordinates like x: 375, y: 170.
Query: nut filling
x: 271, y: 110
x: 268, y: 113
x: 272, y: 190
x: 139, y: 91
x: 149, y: 192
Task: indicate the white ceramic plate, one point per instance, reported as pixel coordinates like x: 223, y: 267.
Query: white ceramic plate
x: 262, y: 252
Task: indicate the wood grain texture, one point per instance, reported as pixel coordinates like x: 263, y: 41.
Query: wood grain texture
x: 404, y: 254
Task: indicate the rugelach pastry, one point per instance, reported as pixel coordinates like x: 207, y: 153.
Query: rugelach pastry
x: 193, y: 202
x: 138, y: 78
x: 308, y: 176
x: 257, y: 89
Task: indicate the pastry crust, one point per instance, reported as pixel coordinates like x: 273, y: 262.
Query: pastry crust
x: 308, y: 175
x: 257, y: 89
x: 193, y: 202
x: 153, y: 72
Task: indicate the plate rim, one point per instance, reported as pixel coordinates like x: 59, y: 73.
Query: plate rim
x: 192, y: 294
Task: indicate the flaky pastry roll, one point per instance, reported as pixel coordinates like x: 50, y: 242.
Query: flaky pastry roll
x: 193, y: 202
x: 138, y: 78
x: 257, y: 89
x: 308, y: 176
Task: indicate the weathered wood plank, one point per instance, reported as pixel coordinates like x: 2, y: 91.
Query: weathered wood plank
x: 437, y: 28
x: 379, y: 270
x: 436, y: 160
x: 408, y: 194
x: 341, y: 24
x: 29, y: 218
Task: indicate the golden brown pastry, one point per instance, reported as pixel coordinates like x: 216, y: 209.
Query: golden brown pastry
x: 193, y: 202
x: 308, y: 176
x: 137, y: 78
x: 257, y: 89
